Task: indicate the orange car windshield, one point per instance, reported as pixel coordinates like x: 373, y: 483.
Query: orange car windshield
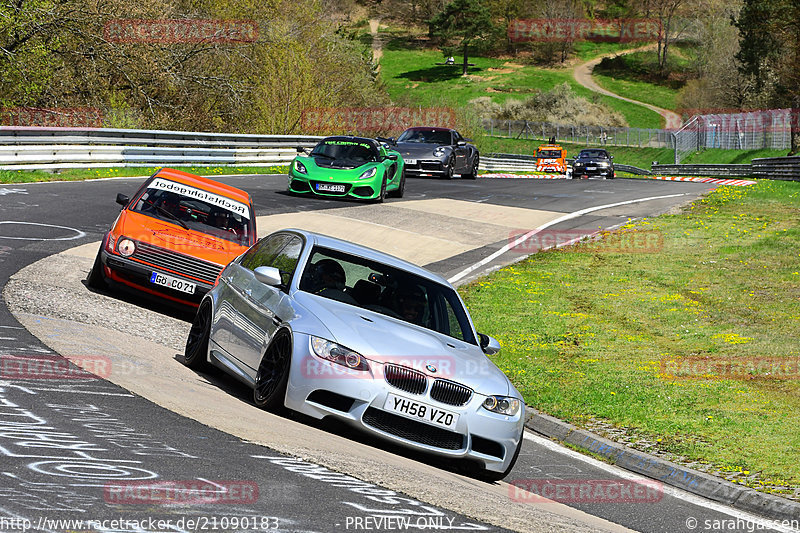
x: 197, y: 210
x: 549, y: 154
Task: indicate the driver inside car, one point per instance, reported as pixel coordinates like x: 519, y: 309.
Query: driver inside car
x: 411, y: 305
x: 328, y: 274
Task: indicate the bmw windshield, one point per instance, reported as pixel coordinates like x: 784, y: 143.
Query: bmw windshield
x: 387, y: 290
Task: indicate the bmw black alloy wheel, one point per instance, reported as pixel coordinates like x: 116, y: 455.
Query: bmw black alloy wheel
x: 273, y: 373
x: 196, y: 352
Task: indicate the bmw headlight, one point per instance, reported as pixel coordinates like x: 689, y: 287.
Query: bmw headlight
x: 336, y: 353
x: 602, y: 164
x: 439, y: 151
x: 503, y: 405
x: 300, y: 167
x: 578, y: 164
x: 368, y: 173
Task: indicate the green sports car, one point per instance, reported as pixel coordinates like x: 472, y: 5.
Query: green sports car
x: 354, y: 167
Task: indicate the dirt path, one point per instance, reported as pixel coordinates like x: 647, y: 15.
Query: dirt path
x: 583, y: 75
x: 377, y: 42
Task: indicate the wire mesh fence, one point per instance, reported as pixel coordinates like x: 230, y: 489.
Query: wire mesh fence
x: 588, y: 135
x: 752, y: 130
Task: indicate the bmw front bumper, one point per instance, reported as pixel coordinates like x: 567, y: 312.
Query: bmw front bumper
x: 320, y: 388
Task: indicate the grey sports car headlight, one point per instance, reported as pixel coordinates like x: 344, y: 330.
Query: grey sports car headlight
x: 300, y: 167
x: 368, y: 173
x: 336, y: 353
x: 503, y: 405
x: 439, y: 151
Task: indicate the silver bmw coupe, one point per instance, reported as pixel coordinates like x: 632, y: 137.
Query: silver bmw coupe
x: 333, y: 329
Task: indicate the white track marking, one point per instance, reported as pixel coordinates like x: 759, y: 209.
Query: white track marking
x: 568, y: 216
x: 688, y: 497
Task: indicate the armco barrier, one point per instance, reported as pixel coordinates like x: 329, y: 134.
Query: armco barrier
x: 29, y: 148
x: 777, y: 168
x: 736, y: 171
x: 774, y: 168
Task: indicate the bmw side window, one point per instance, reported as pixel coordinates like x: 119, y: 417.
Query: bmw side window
x: 286, y: 260
x: 265, y: 252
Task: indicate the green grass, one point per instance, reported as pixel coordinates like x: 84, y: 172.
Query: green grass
x: 28, y: 176
x: 716, y: 155
x: 585, y: 330
x: 632, y: 76
x: 411, y: 76
x: 641, y: 91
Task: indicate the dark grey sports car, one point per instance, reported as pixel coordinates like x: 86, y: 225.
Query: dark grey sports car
x: 437, y: 152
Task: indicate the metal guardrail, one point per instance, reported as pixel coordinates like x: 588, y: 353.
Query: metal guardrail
x: 630, y: 169
x: 29, y: 148
x: 733, y: 171
x: 776, y: 168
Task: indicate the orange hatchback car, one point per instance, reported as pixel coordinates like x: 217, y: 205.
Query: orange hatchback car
x: 174, y: 237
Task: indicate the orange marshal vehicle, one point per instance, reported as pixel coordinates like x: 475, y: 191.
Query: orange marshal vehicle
x: 551, y: 158
x: 174, y: 237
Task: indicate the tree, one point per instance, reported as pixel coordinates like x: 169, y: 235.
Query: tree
x: 769, y: 50
x: 668, y: 13
x: 460, y: 24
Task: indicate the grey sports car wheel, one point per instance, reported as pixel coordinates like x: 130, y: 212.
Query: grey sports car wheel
x: 273, y: 374
x: 450, y: 169
x: 474, y: 172
x: 196, y: 353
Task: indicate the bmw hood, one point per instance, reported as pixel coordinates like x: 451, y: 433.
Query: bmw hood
x: 384, y: 339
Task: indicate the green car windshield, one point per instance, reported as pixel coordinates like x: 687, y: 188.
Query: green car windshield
x: 343, y: 150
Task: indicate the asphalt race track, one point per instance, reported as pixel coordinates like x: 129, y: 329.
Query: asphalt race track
x: 75, y: 448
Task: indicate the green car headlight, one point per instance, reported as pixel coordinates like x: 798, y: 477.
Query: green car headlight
x: 368, y: 173
x: 300, y: 167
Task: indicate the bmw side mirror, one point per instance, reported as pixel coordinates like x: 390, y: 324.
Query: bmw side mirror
x: 268, y: 276
x: 489, y: 345
x: 122, y: 199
